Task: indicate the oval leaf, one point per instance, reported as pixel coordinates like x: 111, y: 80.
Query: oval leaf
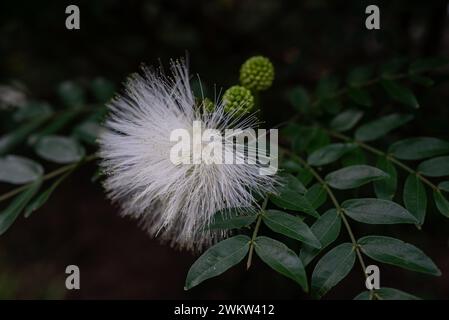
x: 333, y: 267
x: 380, y: 127
x: 71, y: 94
x: 436, y: 167
x: 386, y: 188
x: 329, y: 153
x: 419, y: 148
x: 326, y: 228
x: 10, y: 214
x: 87, y: 132
x: 59, y: 149
x: 32, y: 110
x: 19, y: 170
x: 102, y: 89
x: 400, y: 93
x: 442, y: 203
x: 217, y: 260
x: 282, y: 259
x: 291, y: 166
x: 316, y: 196
x: 377, y: 211
x: 415, y: 198
x: 291, y: 183
x: 299, y: 99
x: 234, y: 218
x: 307, y: 203
x: 398, y: 253
x: 387, y: 294
x: 290, y: 226
x: 346, y: 120
x: 354, y: 176
x: 444, y: 186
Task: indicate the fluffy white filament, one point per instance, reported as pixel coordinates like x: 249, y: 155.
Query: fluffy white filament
x: 174, y: 202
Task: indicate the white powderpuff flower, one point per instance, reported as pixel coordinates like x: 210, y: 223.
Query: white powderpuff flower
x: 175, y: 202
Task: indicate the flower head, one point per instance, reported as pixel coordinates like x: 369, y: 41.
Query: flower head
x: 174, y: 201
x: 257, y: 73
x: 238, y: 99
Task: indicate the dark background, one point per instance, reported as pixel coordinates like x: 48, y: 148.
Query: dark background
x: 306, y: 40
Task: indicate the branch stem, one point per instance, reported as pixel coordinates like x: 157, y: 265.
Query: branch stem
x: 48, y: 176
x: 378, y: 152
x: 255, y: 232
x: 337, y: 206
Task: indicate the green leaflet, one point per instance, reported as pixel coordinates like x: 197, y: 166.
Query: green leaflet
x: 346, y: 120
x: 419, y: 148
x: 377, y: 211
x: 299, y: 99
x: 386, y: 188
x: 354, y: 176
x: 291, y: 183
x: 102, y: 89
x: 442, y: 203
x: 400, y: 93
x: 415, y: 197
x: 333, y: 267
x: 59, y: 149
x: 19, y: 170
x: 398, y: 253
x: 444, y: 186
x: 329, y: 153
x: 386, y: 294
x: 282, y: 259
x: 71, y: 94
x: 32, y: 110
x: 436, y: 167
x: 326, y: 228
x: 378, y: 128
x: 234, y: 218
x: 307, y: 203
x: 217, y: 259
x: 290, y: 226
x: 310, y: 139
x: 10, y: 214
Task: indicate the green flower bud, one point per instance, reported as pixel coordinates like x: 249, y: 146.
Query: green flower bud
x: 208, y: 105
x: 238, y: 99
x: 257, y: 73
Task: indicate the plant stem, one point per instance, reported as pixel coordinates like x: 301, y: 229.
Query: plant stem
x: 389, y: 157
x: 256, y: 230
x: 337, y: 207
x: 48, y: 176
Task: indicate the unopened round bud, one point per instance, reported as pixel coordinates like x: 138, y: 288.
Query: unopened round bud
x: 208, y: 105
x: 238, y: 99
x: 257, y: 73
